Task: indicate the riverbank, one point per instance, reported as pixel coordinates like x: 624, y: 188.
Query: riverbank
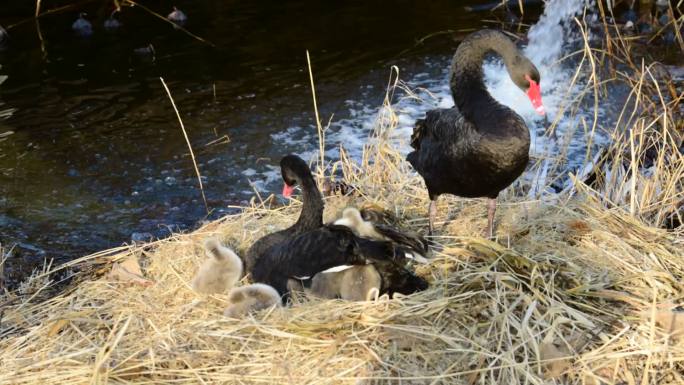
x: 580, y: 286
x: 575, y: 287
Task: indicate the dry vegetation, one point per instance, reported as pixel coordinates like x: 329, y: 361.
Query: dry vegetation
x: 580, y: 287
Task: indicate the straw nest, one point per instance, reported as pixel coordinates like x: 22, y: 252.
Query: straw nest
x: 576, y: 289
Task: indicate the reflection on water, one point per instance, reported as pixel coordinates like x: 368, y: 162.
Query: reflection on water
x: 97, y: 154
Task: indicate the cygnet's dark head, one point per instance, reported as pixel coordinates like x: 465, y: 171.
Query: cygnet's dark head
x: 294, y: 171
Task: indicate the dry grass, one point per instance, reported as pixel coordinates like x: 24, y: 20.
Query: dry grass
x: 579, y: 287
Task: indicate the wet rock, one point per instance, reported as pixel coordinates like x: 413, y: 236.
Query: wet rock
x: 629, y: 15
x: 177, y: 16
x: 509, y: 16
x: 629, y: 27
x: 4, y: 38
x: 6, y: 221
x: 662, y: 5
x: 141, y: 237
x: 644, y: 28
x: 30, y: 254
x: 83, y: 219
x: 81, y: 26
x: 663, y: 19
x: 669, y: 37
x: 30, y: 247
x: 147, y: 50
x: 170, y: 181
x: 112, y: 23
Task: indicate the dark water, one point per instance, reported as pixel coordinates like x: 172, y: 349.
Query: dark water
x: 97, y: 153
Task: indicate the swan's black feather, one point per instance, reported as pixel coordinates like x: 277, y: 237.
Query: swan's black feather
x: 294, y: 171
x: 413, y: 243
x: 478, y: 147
x: 308, y: 247
x: 317, y: 250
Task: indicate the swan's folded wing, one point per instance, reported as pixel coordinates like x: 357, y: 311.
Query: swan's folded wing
x: 413, y: 242
x: 441, y: 124
x: 318, y: 250
x: 262, y: 245
x: 444, y: 135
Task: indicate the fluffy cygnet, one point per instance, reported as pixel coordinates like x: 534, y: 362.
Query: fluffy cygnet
x: 221, y: 270
x: 245, y: 299
x: 358, y: 283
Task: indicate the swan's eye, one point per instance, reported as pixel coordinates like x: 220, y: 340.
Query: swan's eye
x: 533, y: 77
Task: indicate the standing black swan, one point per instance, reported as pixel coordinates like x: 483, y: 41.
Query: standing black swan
x: 294, y: 172
x: 478, y: 147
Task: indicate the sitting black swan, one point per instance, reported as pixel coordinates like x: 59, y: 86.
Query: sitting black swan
x: 309, y: 247
x: 318, y: 250
x: 354, y: 282
x: 294, y: 172
x: 478, y: 147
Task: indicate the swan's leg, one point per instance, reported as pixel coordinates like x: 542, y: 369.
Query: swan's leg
x: 432, y: 213
x: 491, y: 209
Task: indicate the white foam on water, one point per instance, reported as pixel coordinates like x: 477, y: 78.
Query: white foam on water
x: 261, y: 179
x: 549, y: 39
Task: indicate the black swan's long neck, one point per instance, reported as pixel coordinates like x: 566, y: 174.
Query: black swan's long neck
x: 311, y: 216
x: 467, y: 80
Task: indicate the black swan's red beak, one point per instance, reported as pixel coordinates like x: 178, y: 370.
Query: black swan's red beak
x: 534, y: 93
x: 287, y: 190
